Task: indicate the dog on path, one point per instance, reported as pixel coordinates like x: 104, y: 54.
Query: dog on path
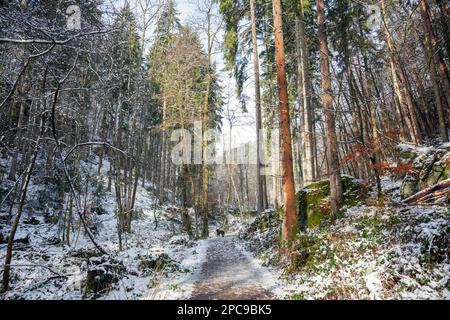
x: 220, y: 232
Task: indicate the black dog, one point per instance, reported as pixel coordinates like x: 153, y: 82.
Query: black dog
x: 220, y: 232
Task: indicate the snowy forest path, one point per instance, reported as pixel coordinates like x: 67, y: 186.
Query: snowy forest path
x: 230, y: 273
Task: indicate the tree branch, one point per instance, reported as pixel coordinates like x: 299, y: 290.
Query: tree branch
x: 53, y: 41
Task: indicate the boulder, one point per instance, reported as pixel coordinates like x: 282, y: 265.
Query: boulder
x: 84, y: 253
x: 182, y: 240
x: 440, y: 170
x: 103, y: 272
x: 431, y: 165
x: 268, y: 219
x: 410, y: 152
x: 313, y: 201
x: 428, y: 170
x: 410, y: 186
x: 407, y: 152
x: 162, y: 263
x: 31, y: 221
x: 99, y: 211
x: 262, y: 234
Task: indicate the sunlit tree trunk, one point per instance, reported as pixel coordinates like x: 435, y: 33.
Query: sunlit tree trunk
x: 290, y: 224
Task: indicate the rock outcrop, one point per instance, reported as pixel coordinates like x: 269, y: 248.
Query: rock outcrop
x: 313, y: 201
x: 431, y: 165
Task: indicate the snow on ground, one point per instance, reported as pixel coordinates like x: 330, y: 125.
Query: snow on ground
x: 157, y: 260
x: 383, y: 251
x: 180, y: 286
x: 408, y: 147
x: 379, y: 252
x: 32, y: 280
x: 391, y: 187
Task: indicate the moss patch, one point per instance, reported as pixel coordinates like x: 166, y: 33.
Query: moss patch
x: 313, y: 201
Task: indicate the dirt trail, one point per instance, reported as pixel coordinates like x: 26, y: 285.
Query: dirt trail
x: 228, y: 273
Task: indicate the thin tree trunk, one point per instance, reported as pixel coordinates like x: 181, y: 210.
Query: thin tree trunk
x: 69, y: 219
x: 304, y: 92
x: 336, y: 194
x: 17, y: 143
x: 445, y: 23
x: 437, y: 94
x: 439, y: 60
x: 205, y: 171
x: 397, y: 79
x: 259, y: 184
x: 162, y: 177
x: 430, y: 51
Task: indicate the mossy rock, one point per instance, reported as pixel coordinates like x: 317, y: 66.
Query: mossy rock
x: 407, y: 152
x: 438, y: 171
x: 435, y: 175
x: 268, y: 219
x: 84, y: 253
x: 410, y: 186
x: 313, y: 201
x: 148, y: 263
x: 444, y: 167
x: 103, y: 272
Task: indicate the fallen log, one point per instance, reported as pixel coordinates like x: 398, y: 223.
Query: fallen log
x: 436, y: 195
x: 437, y: 187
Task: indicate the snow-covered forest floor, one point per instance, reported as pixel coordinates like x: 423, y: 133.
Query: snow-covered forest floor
x: 158, y: 263
x: 155, y: 258
x: 377, y: 250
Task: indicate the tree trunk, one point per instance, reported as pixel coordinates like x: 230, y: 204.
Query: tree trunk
x: 445, y: 23
x: 437, y: 92
x: 439, y: 60
x: 430, y: 51
x: 205, y: 171
x: 290, y: 224
x: 304, y: 92
x: 162, y: 177
x: 427, y: 191
x: 398, y: 79
x: 259, y: 138
x: 17, y: 143
x: 69, y: 219
x: 336, y: 196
